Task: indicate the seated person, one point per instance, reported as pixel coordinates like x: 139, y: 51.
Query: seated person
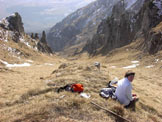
x: 124, y: 90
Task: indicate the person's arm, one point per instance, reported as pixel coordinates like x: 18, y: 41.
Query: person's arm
x: 129, y: 93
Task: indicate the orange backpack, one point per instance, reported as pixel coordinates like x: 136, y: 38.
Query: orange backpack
x: 77, y: 88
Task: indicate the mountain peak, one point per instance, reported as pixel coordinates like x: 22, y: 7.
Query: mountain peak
x: 13, y: 23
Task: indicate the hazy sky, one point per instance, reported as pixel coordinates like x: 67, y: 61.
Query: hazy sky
x: 40, y: 14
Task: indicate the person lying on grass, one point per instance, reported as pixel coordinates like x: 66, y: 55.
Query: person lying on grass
x: 124, y: 90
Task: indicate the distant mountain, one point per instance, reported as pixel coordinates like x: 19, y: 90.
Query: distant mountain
x: 127, y: 24
x: 79, y: 27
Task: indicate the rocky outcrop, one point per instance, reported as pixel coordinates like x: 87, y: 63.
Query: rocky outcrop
x: 11, y: 29
x: 42, y: 44
x: 124, y: 26
x: 153, y: 42
x: 43, y: 38
x: 13, y: 23
x: 152, y: 29
x: 34, y: 36
x: 79, y: 27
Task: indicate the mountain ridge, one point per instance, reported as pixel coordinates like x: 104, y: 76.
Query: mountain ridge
x: 80, y: 25
x: 121, y: 29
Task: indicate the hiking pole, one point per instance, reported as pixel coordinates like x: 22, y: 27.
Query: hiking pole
x: 111, y: 112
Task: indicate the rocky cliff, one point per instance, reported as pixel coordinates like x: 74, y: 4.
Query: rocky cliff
x: 13, y: 24
x: 125, y: 25
x: 11, y: 29
x: 152, y: 30
x: 79, y: 27
x: 42, y: 44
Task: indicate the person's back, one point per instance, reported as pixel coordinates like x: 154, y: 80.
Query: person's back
x: 123, y: 91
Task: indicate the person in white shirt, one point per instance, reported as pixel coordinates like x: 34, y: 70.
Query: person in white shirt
x: 124, y: 90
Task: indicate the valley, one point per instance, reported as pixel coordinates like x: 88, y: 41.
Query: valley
x: 119, y: 35
x: 29, y: 93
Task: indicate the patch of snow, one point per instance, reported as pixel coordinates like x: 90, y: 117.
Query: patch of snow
x: 129, y: 3
x: 1, y: 31
x: 58, y: 34
x: 11, y: 49
x: 131, y: 66
x: 19, y: 65
x: 12, y: 52
x: 131, y: 27
x: 134, y: 62
x: 47, y: 81
x: 18, y: 53
x: 133, y: 20
x: 5, y: 22
x: 15, y: 65
x: 151, y: 66
x: 17, y: 57
x: 5, y: 40
x: 62, y: 96
x: 4, y: 62
x: 13, y: 15
x: 48, y: 64
x: 25, y: 42
x: 30, y: 61
x: 158, y: 4
x: 113, y: 66
x: 5, y: 35
x: 22, y: 40
x: 35, y: 48
x: 156, y: 60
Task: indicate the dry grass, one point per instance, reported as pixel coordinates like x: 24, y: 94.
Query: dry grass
x: 29, y: 94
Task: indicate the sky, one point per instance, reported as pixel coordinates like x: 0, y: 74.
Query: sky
x: 38, y: 15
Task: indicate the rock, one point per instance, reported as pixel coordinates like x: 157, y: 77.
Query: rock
x: 153, y: 42
x: 36, y: 36
x: 13, y: 23
x: 32, y: 35
x: 126, y: 25
x: 42, y: 44
x: 43, y: 38
x: 63, y: 66
x: 11, y: 28
x: 41, y: 78
x: 97, y: 64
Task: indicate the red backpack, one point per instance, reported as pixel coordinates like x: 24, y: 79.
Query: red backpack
x: 77, y: 87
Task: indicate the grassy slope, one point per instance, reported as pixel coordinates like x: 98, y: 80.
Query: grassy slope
x: 29, y: 94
